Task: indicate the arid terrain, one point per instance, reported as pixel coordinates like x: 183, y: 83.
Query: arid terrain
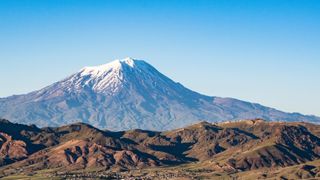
x: 248, y: 149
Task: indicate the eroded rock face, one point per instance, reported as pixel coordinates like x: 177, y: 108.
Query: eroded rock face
x: 231, y: 147
x: 131, y: 159
x: 81, y: 154
x: 278, y: 144
x: 11, y: 150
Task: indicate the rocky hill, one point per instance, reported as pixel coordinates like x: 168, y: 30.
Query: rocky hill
x: 229, y: 149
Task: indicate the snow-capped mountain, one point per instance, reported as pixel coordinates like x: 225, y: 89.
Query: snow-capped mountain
x: 128, y: 94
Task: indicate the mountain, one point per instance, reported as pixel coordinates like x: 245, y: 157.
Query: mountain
x: 230, y: 149
x: 127, y: 94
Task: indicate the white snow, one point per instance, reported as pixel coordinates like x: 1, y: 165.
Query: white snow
x: 107, y: 77
x: 129, y: 61
x: 115, y: 65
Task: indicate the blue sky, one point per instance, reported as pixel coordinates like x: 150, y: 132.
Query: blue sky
x: 265, y: 51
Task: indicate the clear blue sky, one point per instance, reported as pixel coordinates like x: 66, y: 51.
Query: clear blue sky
x: 265, y: 51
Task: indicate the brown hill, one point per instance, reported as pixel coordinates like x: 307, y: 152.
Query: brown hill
x: 11, y: 150
x: 232, y: 147
x: 278, y: 144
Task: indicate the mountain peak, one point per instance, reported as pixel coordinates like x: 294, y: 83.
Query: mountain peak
x: 109, y: 78
x: 129, y: 61
x: 129, y: 94
x: 113, y: 65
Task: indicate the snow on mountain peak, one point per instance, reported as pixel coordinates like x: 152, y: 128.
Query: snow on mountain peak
x: 129, y: 61
x: 115, y: 65
x: 129, y: 94
x: 107, y: 77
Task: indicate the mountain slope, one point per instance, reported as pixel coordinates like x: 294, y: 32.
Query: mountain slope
x: 128, y: 94
x: 225, y: 148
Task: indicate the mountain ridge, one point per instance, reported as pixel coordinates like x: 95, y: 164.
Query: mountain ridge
x: 214, y: 149
x: 128, y: 94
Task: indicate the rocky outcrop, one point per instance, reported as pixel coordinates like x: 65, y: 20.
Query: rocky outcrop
x: 228, y: 147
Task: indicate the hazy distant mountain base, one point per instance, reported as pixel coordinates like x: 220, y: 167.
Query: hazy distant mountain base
x: 127, y: 94
x: 249, y: 149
